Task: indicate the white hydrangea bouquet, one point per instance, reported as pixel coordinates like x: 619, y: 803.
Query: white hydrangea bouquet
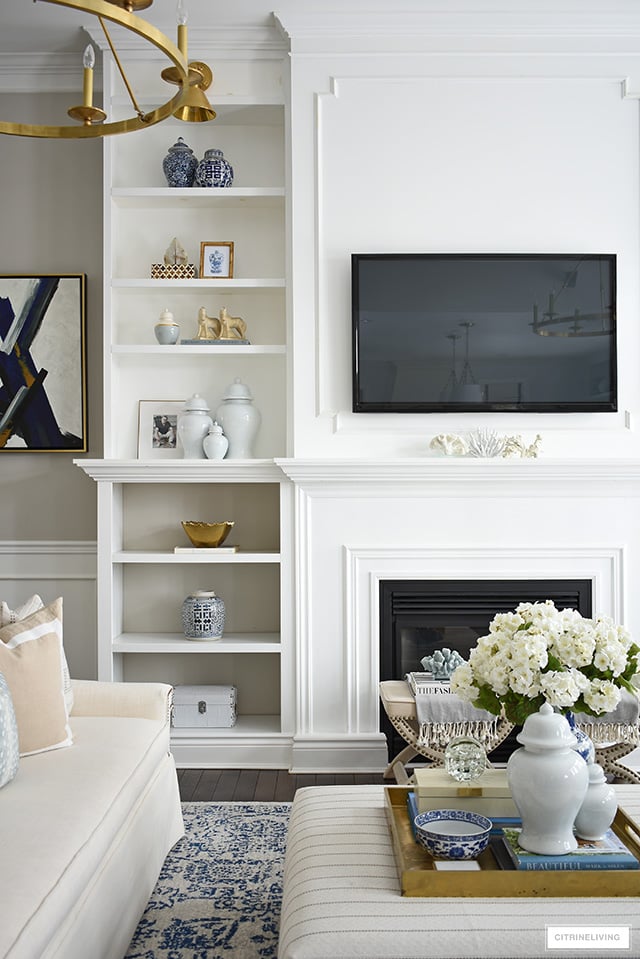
x: 541, y: 654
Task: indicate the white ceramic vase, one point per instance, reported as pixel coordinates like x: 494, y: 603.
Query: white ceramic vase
x: 239, y: 419
x: 194, y: 423
x: 166, y: 329
x: 215, y: 443
x: 548, y: 781
x: 599, y: 807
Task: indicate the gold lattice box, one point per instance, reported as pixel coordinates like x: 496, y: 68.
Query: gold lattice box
x: 177, y: 271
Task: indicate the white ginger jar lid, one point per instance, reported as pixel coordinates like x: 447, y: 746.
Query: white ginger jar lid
x: 166, y: 318
x: 237, y: 391
x: 196, y: 402
x: 546, y: 729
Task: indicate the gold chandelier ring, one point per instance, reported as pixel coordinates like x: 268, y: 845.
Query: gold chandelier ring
x: 108, y: 10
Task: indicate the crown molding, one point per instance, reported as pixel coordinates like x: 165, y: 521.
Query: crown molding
x: 432, y: 25
x: 38, y: 72
x: 62, y: 72
x: 229, y: 39
x: 436, y: 18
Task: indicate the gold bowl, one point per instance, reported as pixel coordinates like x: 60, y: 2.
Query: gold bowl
x: 206, y: 534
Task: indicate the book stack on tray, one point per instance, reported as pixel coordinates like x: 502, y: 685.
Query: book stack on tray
x: 424, y: 684
x: 607, y: 853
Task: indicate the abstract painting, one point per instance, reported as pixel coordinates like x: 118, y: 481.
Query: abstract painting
x: 43, y: 404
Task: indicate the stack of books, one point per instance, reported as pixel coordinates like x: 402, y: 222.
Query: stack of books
x: 607, y: 853
x: 422, y: 684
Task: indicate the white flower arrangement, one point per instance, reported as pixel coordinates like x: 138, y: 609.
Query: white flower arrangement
x: 541, y: 654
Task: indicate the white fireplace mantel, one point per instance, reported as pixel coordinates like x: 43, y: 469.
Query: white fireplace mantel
x: 464, y: 476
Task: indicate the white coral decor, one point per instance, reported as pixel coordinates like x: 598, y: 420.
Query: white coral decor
x: 541, y: 654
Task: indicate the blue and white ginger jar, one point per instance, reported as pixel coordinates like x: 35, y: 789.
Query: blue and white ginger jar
x: 180, y: 165
x: 214, y: 170
x: 203, y: 615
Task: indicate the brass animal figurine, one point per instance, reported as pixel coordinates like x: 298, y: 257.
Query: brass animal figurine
x: 221, y: 327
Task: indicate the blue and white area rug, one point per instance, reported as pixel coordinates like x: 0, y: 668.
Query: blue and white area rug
x: 220, y: 890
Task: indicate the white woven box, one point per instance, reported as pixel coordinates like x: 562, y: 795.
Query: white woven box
x: 204, y: 706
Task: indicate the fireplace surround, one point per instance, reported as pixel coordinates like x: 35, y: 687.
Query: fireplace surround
x: 358, y: 524
x: 420, y: 616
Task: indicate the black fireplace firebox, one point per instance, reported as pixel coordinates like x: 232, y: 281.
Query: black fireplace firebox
x: 420, y: 616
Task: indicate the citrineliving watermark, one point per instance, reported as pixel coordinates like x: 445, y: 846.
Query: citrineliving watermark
x: 588, y: 937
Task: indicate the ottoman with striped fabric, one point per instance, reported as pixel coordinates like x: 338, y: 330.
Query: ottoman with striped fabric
x: 341, y: 895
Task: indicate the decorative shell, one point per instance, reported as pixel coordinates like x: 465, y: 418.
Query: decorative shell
x: 485, y: 443
x: 515, y: 446
x: 450, y: 444
x: 175, y: 254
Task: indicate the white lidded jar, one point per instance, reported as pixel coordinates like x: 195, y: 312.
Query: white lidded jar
x: 203, y: 615
x: 215, y: 443
x: 239, y: 419
x: 548, y: 780
x: 166, y: 329
x: 599, y: 808
x: 194, y: 423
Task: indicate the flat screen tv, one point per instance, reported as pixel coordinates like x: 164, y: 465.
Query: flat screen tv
x: 450, y: 333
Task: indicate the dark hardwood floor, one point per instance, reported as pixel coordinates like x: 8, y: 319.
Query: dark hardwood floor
x: 258, y: 785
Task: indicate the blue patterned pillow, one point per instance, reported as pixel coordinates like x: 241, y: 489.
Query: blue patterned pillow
x: 9, y: 749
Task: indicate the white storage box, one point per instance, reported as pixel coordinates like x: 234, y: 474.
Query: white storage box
x: 489, y: 795
x: 204, y: 706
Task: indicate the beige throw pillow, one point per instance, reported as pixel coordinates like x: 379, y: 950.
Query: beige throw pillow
x: 32, y: 605
x: 32, y: 662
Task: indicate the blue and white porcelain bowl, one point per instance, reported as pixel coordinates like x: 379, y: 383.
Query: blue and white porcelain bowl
x: 453, y: 833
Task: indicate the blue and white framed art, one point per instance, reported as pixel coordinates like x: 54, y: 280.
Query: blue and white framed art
x: 43, y: 388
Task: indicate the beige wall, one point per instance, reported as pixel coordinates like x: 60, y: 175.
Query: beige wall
x: 51, y: 222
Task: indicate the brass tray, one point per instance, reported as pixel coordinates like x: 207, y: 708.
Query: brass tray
x: 419, y: 877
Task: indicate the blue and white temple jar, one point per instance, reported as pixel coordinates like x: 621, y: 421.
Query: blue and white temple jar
x: 203, y: 615
x: 180, y: 165
x: 214, y: 170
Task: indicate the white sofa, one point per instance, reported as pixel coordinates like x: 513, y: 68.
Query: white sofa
x: 84, y: 830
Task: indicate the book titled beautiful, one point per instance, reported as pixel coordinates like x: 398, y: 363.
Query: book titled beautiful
x: 607, y: 853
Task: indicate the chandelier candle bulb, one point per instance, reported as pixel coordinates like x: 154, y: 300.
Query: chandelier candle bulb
x: 181, y: 13
x: 88, y: 62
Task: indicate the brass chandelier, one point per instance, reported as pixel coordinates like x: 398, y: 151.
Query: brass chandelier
x: 553, y: 322
x: 192, y: 78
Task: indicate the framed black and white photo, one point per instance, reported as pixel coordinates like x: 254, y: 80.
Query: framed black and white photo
x: 43, y: 383
x: 216, y: 260
x: 158, y: 428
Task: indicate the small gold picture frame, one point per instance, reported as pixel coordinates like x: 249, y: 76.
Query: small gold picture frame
x: 216, y: 260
